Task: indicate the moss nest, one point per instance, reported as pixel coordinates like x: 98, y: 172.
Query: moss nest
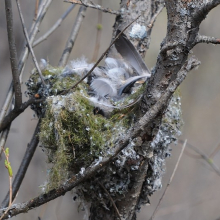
x: 71, y: 134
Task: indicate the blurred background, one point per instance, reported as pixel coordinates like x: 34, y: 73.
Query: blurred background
x: 194, y: 192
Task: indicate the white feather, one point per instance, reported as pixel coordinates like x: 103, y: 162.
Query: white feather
x: 117, y: 75
x: 103, y: 104
x: 78, y: 66
x: 104, y: 87
x: 42, y: 64
x: 111, y: 62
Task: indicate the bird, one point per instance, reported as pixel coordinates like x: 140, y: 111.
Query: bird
x: 114, y: 81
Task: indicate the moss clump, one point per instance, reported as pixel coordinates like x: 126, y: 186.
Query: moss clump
x: 55, y: 82
x: 73, y: 136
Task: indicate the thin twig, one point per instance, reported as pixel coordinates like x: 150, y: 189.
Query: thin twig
x: 99, y: 60
x: 206, y: 39
x: 29, y: 44
x: 4, y: 136
x: 203, y: 156
x: 192, y: 155
x: 7, y: 209
x: 75, y: 30
x: 7, y: 103
x: 10, y: 174
x: 23, y: 167
x: 150, y: 25
x: 36, y: 8
x: 13, y: 54
x: 54, y: 27
x: 98, y: 35
x: 15, y: 112
x: 33, y: 31
x: 92, y: 5
x: 171, y: 179
x: 112, y: 201
x: 119, y: 145
x: 215, y: 151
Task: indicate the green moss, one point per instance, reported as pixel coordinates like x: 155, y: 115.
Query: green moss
x: 54, y: 80
x: 74, y: 137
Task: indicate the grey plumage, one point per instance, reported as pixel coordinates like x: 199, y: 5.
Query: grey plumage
x: 104, y: 87
x: 125, y: 88
x: 130, y: 54
x: 112, y: 83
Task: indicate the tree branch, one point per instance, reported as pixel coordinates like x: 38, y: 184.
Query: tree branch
x: 153, y: 19
x: 70, y: 43
x: 171, y: 179
x: 120, y: 145
x: 28, y: 43
x: 7, y: 103
x: 206, y: 39
x: 23, y: 167
x: 15, y: 112
x: 98, y: 35
x: 202, y: 10
x: 4, y: 136
x: 13, y: 54
x: 206, y: 158
x: 110, y: 198
x: 54, y: 27
x: 92, y: 5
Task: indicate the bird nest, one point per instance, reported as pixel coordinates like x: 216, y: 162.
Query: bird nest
x: 79, y: 127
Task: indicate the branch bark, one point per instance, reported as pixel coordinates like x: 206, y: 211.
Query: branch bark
x: 72, y: 37
x: 15, y: 112
x: 92, y: 5
x: 13, y: 54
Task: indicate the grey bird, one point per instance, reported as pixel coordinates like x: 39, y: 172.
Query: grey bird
x: 114, y: 81
x: 118, y: 76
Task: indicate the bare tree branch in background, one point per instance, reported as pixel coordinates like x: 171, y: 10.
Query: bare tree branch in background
x: 29, y: 44
x: 70, y: 43
x: 98, y: 35
x: 54, y: 27
x: 170, y: 180
x: 13, y: 55
x: 92, y: 5
x: 23, y: 167
x: 203, y: 156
